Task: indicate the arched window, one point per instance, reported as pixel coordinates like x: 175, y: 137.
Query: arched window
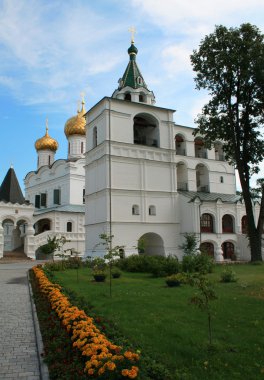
x: 141, y: 98
x: 128, y: 97
x: 228, y: 250
x: 82, y: 147
x: 49, y: 160
x: 69, y: 148
x: 207, y: 248
x: 244, y: 224
x: 227, y: 224
x: 221, y: 179
x: 152, y: 210
x: 135, y: 210
x: 207, y: 223
x: 69, y: 226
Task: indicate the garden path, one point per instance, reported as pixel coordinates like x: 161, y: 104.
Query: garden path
x: 18, y: 349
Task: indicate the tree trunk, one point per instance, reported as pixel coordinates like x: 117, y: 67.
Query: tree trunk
x: 254, y: 234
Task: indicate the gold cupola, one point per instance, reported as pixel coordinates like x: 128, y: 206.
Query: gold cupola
x: 76, y: 124
x: 46, y: 142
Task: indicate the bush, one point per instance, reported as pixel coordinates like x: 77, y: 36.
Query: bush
x: 116, y: 272
x: 176, y: 279
x: 228, y: 275
x: 197, y: 263
x: 158, y: 266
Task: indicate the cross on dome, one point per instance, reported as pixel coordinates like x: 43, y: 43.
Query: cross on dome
x: 133, y: 31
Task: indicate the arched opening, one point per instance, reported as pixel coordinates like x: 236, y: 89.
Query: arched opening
x: 207, y: 248
x: 42, y: 225
x: 227, y: 224
x: 244, y: 224
x: 182, y: 176
x: 69, y: 227
x: 199, y: 148
x: 219, y: 153
x: 14, y: 235
x: 127, y: 97
x: 202, y: 178
x: 152, y: 244
x: 180, y: 145
x: 207, y: 223
x: 146, y: 130
x: 228, y: 250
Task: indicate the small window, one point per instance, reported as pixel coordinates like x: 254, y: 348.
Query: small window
x: 135, y: 210
x: 128, y: 97
x: 37, y: 201
x: 82, y: 147
x: 222, y: 179
x: 83, y: 196
x: 69, y: 148
x: 139, y: 80
x: 94, y: 137
x: 49, y: 160
x: 152, y: 210
x: 56, y: 196
x: 69, y: 226
x: 43, y: 200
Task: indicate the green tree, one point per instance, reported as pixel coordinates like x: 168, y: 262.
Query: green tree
x: 229, y: 65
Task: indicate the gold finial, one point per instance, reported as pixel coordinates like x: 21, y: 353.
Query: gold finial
x: 47, y: 125
x: 132, y: 30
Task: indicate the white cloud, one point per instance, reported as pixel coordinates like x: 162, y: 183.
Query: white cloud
x: 186, y: 16
x: 176, y: 59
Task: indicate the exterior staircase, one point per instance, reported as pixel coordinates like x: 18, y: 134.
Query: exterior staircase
x: 17, y: 254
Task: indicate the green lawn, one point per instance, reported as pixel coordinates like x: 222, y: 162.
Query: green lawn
x: 161, y: 322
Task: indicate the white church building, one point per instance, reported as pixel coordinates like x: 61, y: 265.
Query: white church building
x: 133, y: 173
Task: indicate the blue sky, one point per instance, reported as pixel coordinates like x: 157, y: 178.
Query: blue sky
x: 52, y: 50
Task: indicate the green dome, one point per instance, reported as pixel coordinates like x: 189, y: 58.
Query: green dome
x: 132, y: 50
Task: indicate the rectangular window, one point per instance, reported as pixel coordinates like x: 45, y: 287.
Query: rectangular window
x: 43, y: 200
x: 37, y: 201
x: 83, y: 196
x: 56, y: 196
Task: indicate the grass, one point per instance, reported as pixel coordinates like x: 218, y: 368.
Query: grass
x: 161, y: 322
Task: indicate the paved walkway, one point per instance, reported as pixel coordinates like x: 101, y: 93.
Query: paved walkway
x: 18, y: 350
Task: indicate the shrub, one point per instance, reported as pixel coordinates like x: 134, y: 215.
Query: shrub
x: 158, y: 266
x: 116, y: 272
x: 176, y: 279
x: 197, y: 263
x: 228, y: 275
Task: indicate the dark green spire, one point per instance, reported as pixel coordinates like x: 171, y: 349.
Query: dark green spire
x: 132, y: 76
x: 10, y: 190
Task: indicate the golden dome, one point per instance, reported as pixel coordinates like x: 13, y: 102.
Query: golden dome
x: 76, y: 124
x: 46, y: 142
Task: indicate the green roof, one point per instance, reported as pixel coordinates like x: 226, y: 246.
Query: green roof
x: 132, y: 76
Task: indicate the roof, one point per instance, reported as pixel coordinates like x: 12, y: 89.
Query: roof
x: 132, y: 76
x: 10, y: 190
x: 211, y: 197
x: 65, y: 208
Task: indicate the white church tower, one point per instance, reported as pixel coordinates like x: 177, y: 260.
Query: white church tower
x: 131, y: 182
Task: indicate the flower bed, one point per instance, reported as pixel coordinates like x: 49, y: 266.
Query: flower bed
x: 105, y: 360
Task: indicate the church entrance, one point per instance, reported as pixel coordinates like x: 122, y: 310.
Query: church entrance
x: 151, y: 244
x: 14, y: 235
x: 228, y: 250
